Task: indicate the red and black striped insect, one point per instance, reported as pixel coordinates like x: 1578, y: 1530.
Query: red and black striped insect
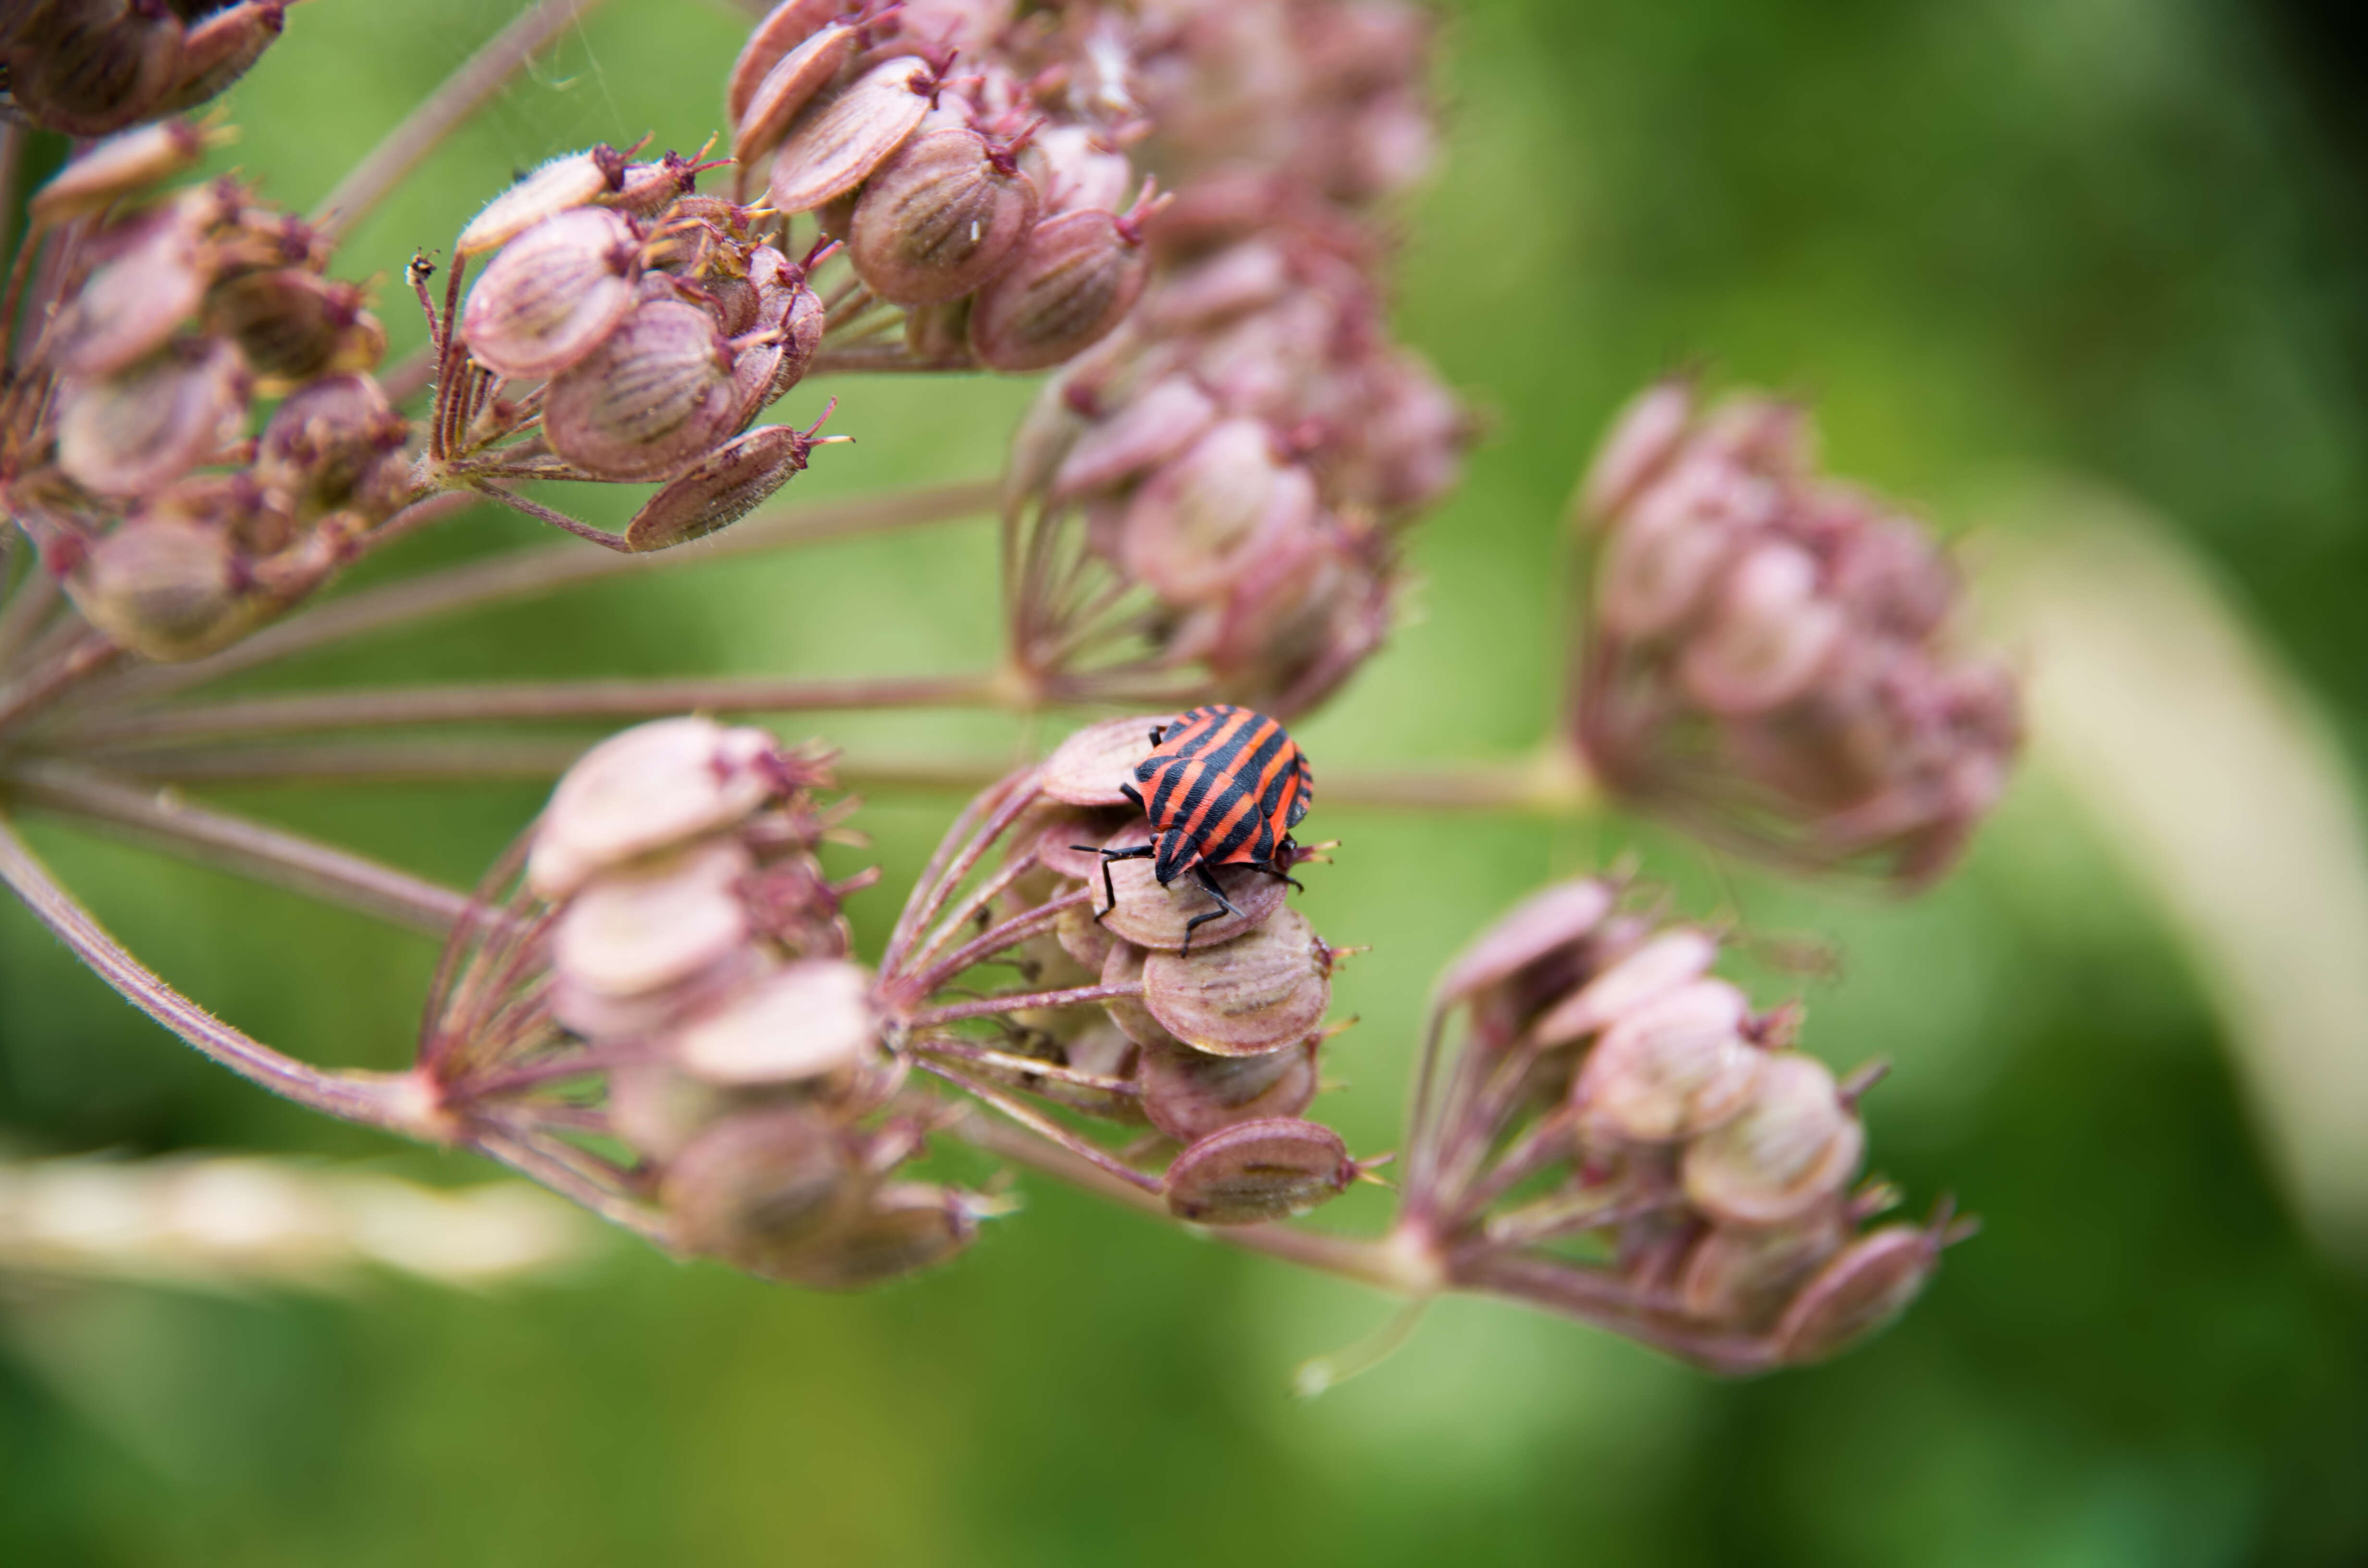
x: 1226, y: 786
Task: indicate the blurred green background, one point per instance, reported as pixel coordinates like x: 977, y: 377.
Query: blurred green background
x: 2113, y: 238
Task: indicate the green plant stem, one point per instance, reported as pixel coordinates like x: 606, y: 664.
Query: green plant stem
x: 163, y: 819
x: 460, y: 96
x: 398, y: 1103
x: 554, y: 702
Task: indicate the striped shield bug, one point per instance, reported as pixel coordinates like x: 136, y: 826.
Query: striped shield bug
x: 1224, y: 785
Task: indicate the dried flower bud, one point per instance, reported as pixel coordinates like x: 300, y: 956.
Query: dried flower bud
x: 1151, y: 916
x: 219, y: 49
x: 1073, y: 279
x: 653, y: 395
x: 808, y: 1020
x: 166, y: 589
x: 645, y: 791
x: 902, y: 1229
x: 1188, y: 529
x: 1746, y: 1277
x: 1670, y: 1069
x: 1256, y: 1171
x: 761, y: 1189
x: 787, y: 88
x: 1532, y: 930
x: 569, y: 181
x: 1791, y: 1150
x: 293, y: 326
x: 554, y: 293
x: 1188, y: 1094
x: 131, y: 305
x: 639, y: 946
x: 1859, y: 1292
x: 1767, y: 637
x: 1259, y: 993
x: 334, y: 442
x: 1661, y: 966
x: 783, y: 27
x: 940, y: 218
x: 1644, y: 436
x: 1074, y: 171
x: 1160, y: 423
x: 722, y: 487
x: 118, y: 168
x: 92, y: 67
x: 136, y: 431
x: 834, y: 145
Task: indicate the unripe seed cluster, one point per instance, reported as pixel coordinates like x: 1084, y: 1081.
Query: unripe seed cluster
x: 93, y: 67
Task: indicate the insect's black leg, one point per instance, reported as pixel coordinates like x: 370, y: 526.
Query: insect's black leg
x: 1271, y: 869
x: 1157, y: 730
x: 1128, y: 790
x: 1202, y: 874
x: 1141, y: 852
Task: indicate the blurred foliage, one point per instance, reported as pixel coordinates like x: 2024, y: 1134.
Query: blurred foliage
x: 2095, y: 235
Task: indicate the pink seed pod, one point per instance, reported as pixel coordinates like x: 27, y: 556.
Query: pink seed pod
x: 293, y: 326
x: 331, y: 442
x: 1191, y: 527
x: 1767, y: 637
x: 761, y: 1189
x: 941, y: 218
x: 645, y: 791
x: 658, y: 1111
x: 554, y: 294
x: 938, y: 334
x: 132, y: 304
x: 1088, y: 767
x: 1188, y: 1094
x: 1792, y: 1148
x: 1653, y: 971
x: 836, y: 144
x: 1671, y: 1069
x: 1076, y: 171
x: 1534, y: 928
x: 637, y: 945
x: 805, y: 1022
x: 1256, y: 1171
x: 653, y: 395
x: 1239, y: 278
x: 1150, y: 916
x: 904, y: 1228
x: 1859, y: 1292
x: 135, y: 432
x: 92, y: 67
x: 954, y: 26
x: 722, y: 487
x: 1123, y: 966
x: 1745, y: 1278
x: 118, y: 168
x: 565, y: 183
x: 168, y: 589
x: 220, y: 50
x: 1074, y: 280
x: 1663, y: 558
x: 1261, y: 992
x: 1155, y: 424
x: 1083, y: 938
x: 802, y: 332
x: 784, y: 28
x: 1645, y: 437
x: 787, y: 89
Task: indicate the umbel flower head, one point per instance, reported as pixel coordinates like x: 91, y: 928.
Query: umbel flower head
x: 93, y: 67
x: 1770, y: 657
x: 128, y: 445
x: 1625, y: 1138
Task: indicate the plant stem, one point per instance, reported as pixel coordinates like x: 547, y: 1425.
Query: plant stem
x: 399, y: 1102
x: 27, y: 608
x: 53, y: 679
x: 530, y: 573
x: 162, y: 819
x: 359, y: 762
x: 990, y: 1007
x: 441, y: 112
x: 373, y: 708
x: 1605, y: 1303
x: 531, y: 1157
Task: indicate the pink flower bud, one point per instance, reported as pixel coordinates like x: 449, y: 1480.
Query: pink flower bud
x: 784, y: 28
x: 803, y: 1022
x: 1532, y: 930
x: 787, y: 88
x: 1158, y: 423
x: 1671, y: 1069
x: 1859, y: 1292
x: 1673, y: 959
x: 1076, y: 171
x: 941, y: 218
x: 218, y: 51
x: 1188, y: 529
x: 166, y: 589
x: 554, y: 293
x: 136, y: 431
x: 1644, y: 436
x: 1767, y: 637
x: 904, y: 1228
x: 1663, y: 560
x: 569, y: 181
x: 653, y: 395
x: 1252, y: 1172
x: 1745, y: 1278
x: 762, y: 1189
x: 293, y: 326
x: 721, y: 488
x: 1075, y: 279
x: 645, y: 791
x: 1792, y: 1148
x: 836, y: 144
x: 132, y: 304
x: 92, y: 67
x: 638, y: 947
x: 329, y: 443
x: 121, y: 167
x: 1257, y: 993
x: 1188, y: 1094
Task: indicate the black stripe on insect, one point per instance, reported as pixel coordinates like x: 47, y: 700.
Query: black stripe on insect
x: 1226, y: 786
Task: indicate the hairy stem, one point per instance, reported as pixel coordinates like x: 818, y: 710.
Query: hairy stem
x: 1604, y: 1301
x: 530, y: 573
x: 989, y: 1006
x: 378, y: 707
x: 162, y: 819
x: 441, y: 112
x: 399, y: 1103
